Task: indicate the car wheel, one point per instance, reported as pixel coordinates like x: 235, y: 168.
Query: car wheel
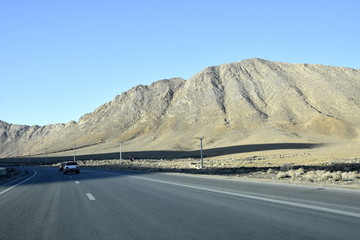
x: 64, y: 172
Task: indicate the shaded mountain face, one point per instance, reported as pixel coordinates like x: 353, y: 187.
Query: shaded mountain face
x: 250, y: 101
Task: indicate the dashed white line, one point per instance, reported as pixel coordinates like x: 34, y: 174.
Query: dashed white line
x: 90, y: 196
x: 77, y: 182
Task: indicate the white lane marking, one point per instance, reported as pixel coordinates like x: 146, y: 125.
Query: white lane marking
x: 8, y: 189
x: 323, y: 209
x: 77, y: 182
x: 90, y: 196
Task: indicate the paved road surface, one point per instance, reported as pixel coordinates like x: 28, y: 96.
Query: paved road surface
x: 125, y: 205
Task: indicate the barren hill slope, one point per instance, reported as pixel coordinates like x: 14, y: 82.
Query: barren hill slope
x: 252, y: 101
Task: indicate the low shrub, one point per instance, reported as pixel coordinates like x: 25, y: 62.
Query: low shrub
x: 282, y: 175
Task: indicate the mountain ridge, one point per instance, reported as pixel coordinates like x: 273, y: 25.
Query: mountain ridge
x: 231, y: 103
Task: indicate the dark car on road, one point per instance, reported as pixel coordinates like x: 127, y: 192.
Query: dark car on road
x: 69, y: 167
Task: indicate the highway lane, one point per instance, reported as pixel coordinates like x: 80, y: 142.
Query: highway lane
x: 133, y: 205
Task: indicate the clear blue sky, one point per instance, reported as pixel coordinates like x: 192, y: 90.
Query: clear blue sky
x: 61, y: 59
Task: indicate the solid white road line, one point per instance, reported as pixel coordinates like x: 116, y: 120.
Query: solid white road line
x: 90, y: 196
x: 300, y: 205
x: 77, y: 182
x: 8, y: 189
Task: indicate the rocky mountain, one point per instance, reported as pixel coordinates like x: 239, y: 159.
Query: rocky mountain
x: 252, y: 101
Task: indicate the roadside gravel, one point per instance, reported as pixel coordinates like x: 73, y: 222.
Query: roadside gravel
x: 341, y: 173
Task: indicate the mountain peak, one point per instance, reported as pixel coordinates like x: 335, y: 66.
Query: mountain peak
x: 250, y: 101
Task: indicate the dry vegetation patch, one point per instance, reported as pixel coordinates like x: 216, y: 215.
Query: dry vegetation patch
x: 340, y: 173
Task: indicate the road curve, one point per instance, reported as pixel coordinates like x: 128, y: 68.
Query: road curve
x: 96, y: 204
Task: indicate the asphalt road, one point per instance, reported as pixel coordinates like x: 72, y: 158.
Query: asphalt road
x: 95, y: 204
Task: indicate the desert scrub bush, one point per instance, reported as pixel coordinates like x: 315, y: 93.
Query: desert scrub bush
x: 300, y: 171
x: 296, y: 174
x: 282, y: 175
x: 310, y: 176
x: 325, y: 176
x: 349, y: 176
x: 336, y: 176
x: 291, y: 174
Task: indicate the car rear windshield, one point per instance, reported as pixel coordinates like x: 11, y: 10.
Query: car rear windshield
x: 71, y: 163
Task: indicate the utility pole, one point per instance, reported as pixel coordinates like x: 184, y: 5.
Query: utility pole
x: 120, y: 157
x: 201, y: 152
x: 74, y: 152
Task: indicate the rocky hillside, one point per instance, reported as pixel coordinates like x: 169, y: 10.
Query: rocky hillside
x: 252, y: 101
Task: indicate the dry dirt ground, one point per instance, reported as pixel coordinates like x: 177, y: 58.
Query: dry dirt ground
x: 336, y: 165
